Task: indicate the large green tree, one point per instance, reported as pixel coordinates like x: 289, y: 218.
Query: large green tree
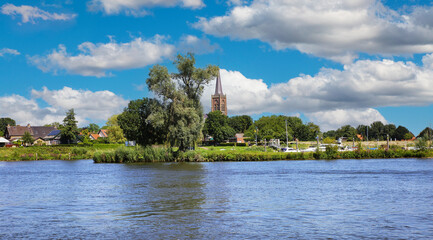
x: 4, y: 122
x: 69, y: 129
x: 402, y: 133
x: 115, y: 133
x: 216, y: 125
x: 180, y: 93
x: 240, y: 123
x: 136, y: 124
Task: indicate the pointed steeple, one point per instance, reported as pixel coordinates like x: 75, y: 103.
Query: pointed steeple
x: 218, y: 86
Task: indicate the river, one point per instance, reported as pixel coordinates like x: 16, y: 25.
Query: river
x: 343, y: 199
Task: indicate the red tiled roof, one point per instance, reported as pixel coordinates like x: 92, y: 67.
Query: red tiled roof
x: 94, y: 136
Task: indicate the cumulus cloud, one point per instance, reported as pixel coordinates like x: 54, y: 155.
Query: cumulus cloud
x: 8, y: 51
x: 97, y: 59
x: 31, y: 14
x: 346, y: 95
x: 190, y: 43
x: 331, y: 120
x: 333, y: 29
x: 137, y: 7
x: 89, y: 106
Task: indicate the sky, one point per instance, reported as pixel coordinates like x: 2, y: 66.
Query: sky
x: 330, y: 62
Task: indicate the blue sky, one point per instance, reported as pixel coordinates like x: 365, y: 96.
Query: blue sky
x: 331, y: 62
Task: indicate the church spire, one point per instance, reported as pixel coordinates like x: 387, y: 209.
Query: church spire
x: 218, y: 87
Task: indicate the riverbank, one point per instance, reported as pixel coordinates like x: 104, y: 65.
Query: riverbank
x: 159, y: 154
x: 57, y: 152
x: 115, y: 153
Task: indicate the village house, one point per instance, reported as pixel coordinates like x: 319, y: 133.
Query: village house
x: 14, y: 133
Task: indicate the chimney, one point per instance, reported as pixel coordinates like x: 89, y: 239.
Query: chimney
x: 28, y: 125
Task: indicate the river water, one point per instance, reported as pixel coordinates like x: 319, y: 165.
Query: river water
x: 343, y: 199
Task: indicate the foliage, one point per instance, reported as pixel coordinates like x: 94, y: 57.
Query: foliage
x: 93, y: 128
x: 422, y: 142
x: 182, y: 113
x: 69, y: 130
x: 329, y: 140
x: 136, y: 124
x: 115, y: 133
x: 216, y: 125
x: 53, y: 124
x: 427, y: 132
x: 4, y: 122
x: 274, y: 127
x: 240, y: 123
x: 402, y: 133
x: 27, y: 138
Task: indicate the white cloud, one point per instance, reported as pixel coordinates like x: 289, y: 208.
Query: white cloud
x: 334, y: 119
x: 136, y: 7
x: 190, y: 43
x: 347, y: 94
x: 31, y: 14
x: 332, y: 29
x: 8, y: 51
x: 97, y: 59
x: 89, y: 106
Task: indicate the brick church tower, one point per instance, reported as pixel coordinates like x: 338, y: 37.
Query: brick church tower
x: 219, y: 99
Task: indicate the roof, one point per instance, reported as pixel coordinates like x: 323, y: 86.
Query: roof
x: 54, y: 133
x: 239, y: 135
x: 218, y: 87
x: 40, y: 132
x: 18, y: 130
x: 103, y: 133
x: 3, y: 140
x: 36, y: 131
x: 94, y: 136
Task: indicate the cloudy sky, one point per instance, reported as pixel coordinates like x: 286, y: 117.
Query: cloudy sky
x: 331, y: 62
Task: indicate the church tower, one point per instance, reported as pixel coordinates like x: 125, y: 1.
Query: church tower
x: 219, y: 99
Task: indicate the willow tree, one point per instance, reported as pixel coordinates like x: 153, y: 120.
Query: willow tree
x: 179, y: 93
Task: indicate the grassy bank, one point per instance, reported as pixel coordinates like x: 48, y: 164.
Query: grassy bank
x: 152, y: 154
x: 58, y: 152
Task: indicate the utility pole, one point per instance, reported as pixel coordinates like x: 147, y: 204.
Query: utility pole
x: 367, y: 136
x: 287, y: 137
x: 256, y: 135
x: 387, y: 141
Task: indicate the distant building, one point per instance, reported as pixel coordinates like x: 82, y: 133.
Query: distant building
x: 103, y: 133
x: 219, y: 99
x: 37, y: 132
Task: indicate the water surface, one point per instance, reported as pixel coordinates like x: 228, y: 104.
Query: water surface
x: 344, y: 199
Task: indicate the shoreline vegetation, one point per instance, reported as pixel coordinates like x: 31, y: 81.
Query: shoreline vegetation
x: 117, y: 153
x: 161, y: 154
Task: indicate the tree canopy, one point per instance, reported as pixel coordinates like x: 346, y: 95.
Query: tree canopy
x: 4, y: 122
x: 69, y: 129
x: 217, y: 126
x: 181, y: 113
x: 240, y: 124
x: 135, y: 123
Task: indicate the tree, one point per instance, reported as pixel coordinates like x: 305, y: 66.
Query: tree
x: 69, y: 130
x: 216, y: 125
x: 4, y: 122
x: 180, y: 93
x: 402, y: 133
x: 93, y: 128
x: 53, y: 124
x: 240, y: 123
x: 136, y: 124
x: 427, y: 133
x: 27, y: 138
x: 115, y: 133
x: 346, y: 131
